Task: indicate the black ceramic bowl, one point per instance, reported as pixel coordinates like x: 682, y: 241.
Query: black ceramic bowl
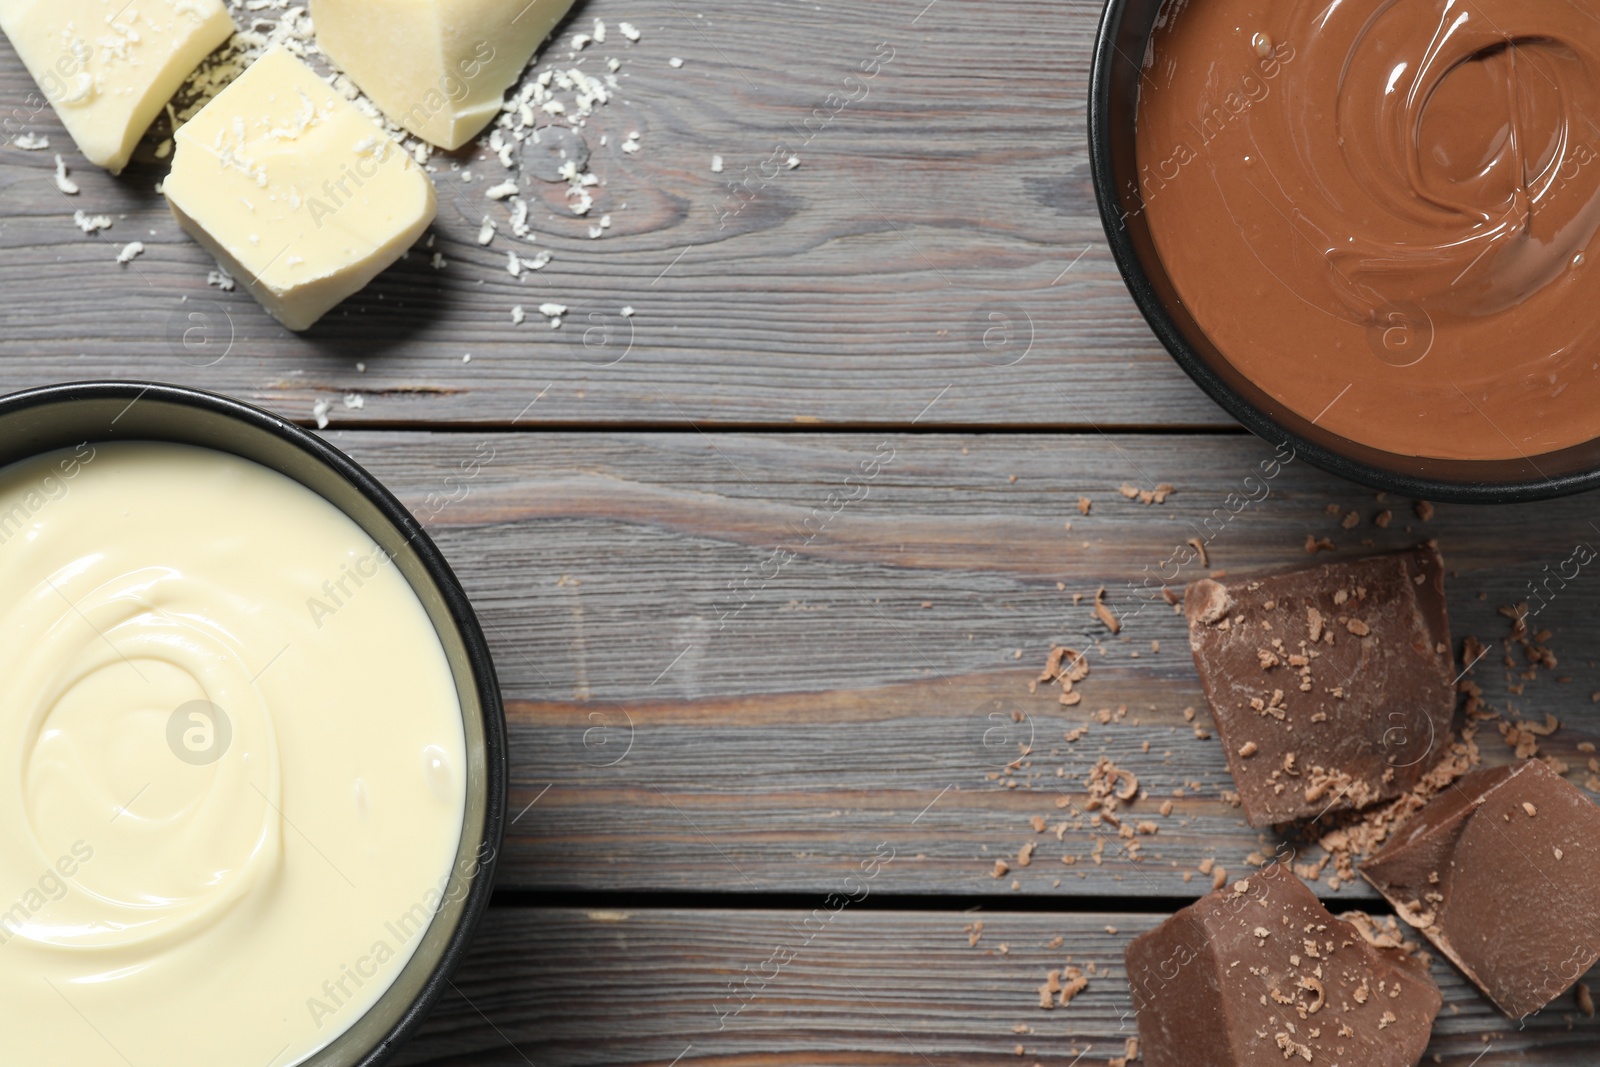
x: 63, y: 416
x: 1113, y: 100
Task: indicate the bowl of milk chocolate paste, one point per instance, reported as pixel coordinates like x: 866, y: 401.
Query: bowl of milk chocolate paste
x: 1367, y: 227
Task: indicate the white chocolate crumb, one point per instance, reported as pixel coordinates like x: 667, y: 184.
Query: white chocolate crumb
x: 91, y: 223
x: 64, y: 183
x: 130, y: 251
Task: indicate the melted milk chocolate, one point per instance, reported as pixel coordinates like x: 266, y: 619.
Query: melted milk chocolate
x: 1381, y: 211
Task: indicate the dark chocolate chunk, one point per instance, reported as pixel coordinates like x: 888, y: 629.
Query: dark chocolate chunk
x: 1332, y: 687
x: 1259, y: 973
x: 1502, y: 873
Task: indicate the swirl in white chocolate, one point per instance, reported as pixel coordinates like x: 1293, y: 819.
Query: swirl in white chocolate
x: 236, y: 763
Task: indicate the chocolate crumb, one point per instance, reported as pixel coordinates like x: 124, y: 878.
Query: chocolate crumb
x: 1211, y: 601
x: 1104, y: 613
x: 1076, y: 983
x: 1424, y: 510
x: 1382, y: 519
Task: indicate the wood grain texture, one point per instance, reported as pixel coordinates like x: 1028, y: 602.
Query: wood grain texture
x: 564, y: 988
x: 922, y: 243
x: 671, y: 733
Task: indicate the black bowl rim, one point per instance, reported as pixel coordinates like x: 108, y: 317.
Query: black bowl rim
x: 455, y: 600
x: 1230, y: 400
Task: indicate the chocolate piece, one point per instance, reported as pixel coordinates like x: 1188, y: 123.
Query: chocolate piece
x: 1502, y: 874
x: 1259, y: 972
x: 1332, y: 687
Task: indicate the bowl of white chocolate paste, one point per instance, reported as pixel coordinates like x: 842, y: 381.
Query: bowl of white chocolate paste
x: 258, y: 757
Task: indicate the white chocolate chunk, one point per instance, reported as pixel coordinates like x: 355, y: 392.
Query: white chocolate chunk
x: 108, y: 68
x: 440, y: 68
x: 294, y: 191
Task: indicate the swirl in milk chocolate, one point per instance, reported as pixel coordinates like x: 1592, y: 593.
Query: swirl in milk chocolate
x: 1381, y: 210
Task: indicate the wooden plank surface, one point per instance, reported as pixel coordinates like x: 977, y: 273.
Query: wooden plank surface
x: 923, y: 242
x: 890, y: 989
x: 736, y: 663
x: 669, y: 733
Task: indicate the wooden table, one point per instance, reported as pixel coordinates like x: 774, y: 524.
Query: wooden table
x: 768, y: 567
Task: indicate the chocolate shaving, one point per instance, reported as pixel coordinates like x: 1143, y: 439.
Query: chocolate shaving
x: 1104, y: 613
